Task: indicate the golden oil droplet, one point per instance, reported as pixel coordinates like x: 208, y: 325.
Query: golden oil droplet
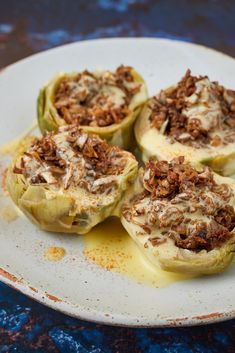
x: 54, y: 253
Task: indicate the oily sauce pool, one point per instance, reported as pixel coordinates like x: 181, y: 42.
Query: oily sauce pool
x: 110, y: 247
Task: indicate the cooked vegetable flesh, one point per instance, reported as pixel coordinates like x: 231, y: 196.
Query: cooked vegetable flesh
x: 196, y: 112
x: 69, y: 181
x: 72, y: 158
x: 184, y: 204
x: 96, y: 99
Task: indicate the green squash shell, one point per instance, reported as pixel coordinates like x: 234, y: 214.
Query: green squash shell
x: 68, y: 211
x: 116, y: 134
x: 154, y: 144
x: 167, y: 256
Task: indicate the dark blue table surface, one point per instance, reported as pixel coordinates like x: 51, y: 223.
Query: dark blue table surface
x: 29, y: 26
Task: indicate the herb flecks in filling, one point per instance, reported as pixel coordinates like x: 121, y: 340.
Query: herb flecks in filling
x: 100, y: 99
x: 72, y: 158
x: 184, y: 205
x: 197, y: 112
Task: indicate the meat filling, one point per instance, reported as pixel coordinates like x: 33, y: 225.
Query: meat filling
x: 197, y: 112
x: 96, y: 99
x: 73, y: 158
x: 184, y: 205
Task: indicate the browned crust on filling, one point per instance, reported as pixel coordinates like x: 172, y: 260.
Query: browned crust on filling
x: 168, y: 106
x: 93, y: 166
x: 175, y: 192
x: 89, y: 106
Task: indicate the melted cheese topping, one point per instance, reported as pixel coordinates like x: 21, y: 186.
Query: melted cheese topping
x: 204, y: 105
x: 77, y: 168
x: 190, y: 209
x: 159, y: 214
x: 104, y: 87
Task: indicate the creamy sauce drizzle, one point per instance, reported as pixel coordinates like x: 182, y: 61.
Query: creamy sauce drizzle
x: 54, y: 253
x: 110, y: 247
x: 108, y: 244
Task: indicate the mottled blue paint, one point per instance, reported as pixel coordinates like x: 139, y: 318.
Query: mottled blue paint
x: 118, y: 5
x: 70, y: 341
x: 13, y: 320
x: 6, y: 28
x: 221, y: 338
x: 30, y: 26
x: 28, y: 327
x: 40, y: 41
x: 65, y: 342
x: 19, y: 349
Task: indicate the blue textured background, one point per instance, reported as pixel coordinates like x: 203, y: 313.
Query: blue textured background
x: 30, y: 26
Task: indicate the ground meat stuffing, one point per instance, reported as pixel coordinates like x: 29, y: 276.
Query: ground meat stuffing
x: 96, y: 99
x: 73, y: 158
x: 186, y: 205
x: 197, y: 112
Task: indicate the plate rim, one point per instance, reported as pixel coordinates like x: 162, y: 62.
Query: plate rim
x: 109, y: 39
x: 97, y: 316
x: 79, y: 313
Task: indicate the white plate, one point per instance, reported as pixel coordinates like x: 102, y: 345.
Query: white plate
x: 72, y: 285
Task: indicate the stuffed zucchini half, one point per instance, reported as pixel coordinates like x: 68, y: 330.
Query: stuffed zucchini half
x: 183, y: 219
x: 70, y: 180
x: 103, y: 102
x: 195, y: 118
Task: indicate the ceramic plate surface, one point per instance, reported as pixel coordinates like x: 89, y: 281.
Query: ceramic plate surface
x: 73, y: 285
